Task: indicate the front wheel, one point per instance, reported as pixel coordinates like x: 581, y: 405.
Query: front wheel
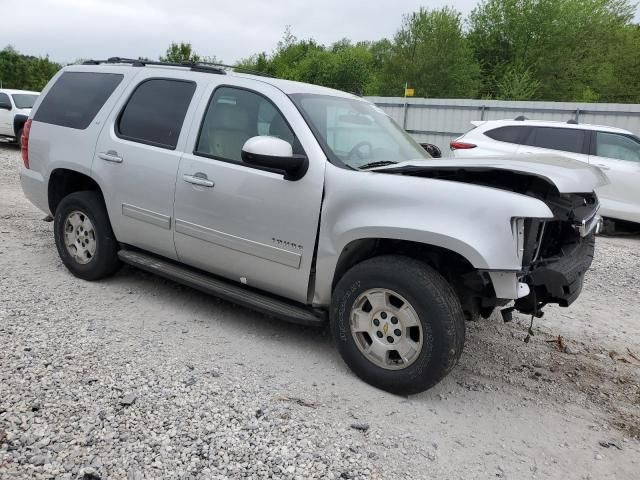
x: 19, y: 138
x: 397, y: 323
x: 84, y: 238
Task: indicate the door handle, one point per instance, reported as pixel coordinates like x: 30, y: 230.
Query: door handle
x: 603, y: 166
x: 110, y: 156
x: 198, y: 179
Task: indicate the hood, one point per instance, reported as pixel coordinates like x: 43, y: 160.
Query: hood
x: 566, y: 174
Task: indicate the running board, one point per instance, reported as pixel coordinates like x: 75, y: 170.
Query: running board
x: 222, y: 288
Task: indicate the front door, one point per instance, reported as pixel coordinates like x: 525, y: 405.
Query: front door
x: 6, y: 115
x: 619, y: 158
x: 137, y: 158
x: 243, y: 223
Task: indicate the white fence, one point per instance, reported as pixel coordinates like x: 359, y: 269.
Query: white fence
x: 438, y: 121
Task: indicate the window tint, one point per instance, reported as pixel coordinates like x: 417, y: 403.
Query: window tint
x: 234, y: 116
x: 509, y: 134
x: 4, y: 99
x: 24, y: 100
x: 155, y: 112
x: 76, y: 97
x: 565, y: 139
x: 612, y: 145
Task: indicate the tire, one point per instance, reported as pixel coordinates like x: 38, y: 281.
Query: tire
x: 433, y: 301
x: 100, y: 258
x: 19, y: 139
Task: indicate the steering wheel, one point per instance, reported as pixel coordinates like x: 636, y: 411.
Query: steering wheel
x: 355, y: 151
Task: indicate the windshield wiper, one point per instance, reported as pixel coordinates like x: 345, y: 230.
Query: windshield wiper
x: 381, y: 163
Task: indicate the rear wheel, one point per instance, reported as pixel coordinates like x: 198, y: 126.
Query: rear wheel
x: 397, y: 323
x: 19, y: 138
x: 83, y: 236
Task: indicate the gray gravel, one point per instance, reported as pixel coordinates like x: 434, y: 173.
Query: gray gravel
x: 136, y: 377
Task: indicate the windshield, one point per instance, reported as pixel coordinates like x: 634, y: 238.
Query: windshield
x: 24, y: 100
x: 357, y: 133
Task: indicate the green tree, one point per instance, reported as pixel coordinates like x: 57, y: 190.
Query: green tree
x: 24, y: 72
x: 565, y: 46
x: 517, y: 83
x: 179, y: 53
x: 432, y: 55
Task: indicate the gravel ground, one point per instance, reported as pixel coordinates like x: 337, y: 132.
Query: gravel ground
x: 137, y: 377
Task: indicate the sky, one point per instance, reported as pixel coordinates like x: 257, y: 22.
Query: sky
x: 68, y: 30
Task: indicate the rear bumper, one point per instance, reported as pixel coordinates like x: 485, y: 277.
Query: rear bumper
x: 558, y: 280
x: 35, y: 189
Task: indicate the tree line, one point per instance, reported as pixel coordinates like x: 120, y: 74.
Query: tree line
x: 557, y: 50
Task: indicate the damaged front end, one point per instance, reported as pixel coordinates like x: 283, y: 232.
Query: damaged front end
x: 554, y: 253
x: 557, y: 253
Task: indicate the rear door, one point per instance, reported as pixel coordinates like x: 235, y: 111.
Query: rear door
x: 244, y: 223
x: 138, y: 154
x: 568, y: 142
x: 618, y: 156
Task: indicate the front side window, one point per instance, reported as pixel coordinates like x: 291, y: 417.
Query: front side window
x: 621, y: 147
x: 356, y: 133
x: 155, y: 112
x: 24, y: 100
x: 233, y: 117
x: 76, y: 98
x: 564, y: 139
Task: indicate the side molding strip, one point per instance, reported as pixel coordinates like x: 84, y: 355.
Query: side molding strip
x: 154, y: 218
x: 257, y: 249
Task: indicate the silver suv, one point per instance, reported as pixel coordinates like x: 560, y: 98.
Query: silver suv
x: 303, y: 202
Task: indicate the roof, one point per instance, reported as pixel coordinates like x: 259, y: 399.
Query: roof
x: 291, y: 87
x: 287, y: 86
x: 549, y: 123
x: 11, y: 91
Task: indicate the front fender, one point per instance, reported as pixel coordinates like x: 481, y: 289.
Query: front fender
x: 471, y: 220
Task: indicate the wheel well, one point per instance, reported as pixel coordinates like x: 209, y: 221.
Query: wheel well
x: 473, y: 287
x: 62, y: 182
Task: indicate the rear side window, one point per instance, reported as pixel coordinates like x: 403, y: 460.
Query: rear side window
x: 76, y: 98
x: 509, y: 134
x: 4, y: 100
x: 155, y: 112
x: 564, y: 139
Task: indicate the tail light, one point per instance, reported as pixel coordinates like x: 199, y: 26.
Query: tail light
x: 25, y: 143
x: 456, y: 145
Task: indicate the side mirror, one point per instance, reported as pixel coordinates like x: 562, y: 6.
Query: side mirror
x: 5, y: 106
x: 275, y: 154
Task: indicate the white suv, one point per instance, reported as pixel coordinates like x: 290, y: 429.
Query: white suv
x: 15, y: 106
x: 613, y: 150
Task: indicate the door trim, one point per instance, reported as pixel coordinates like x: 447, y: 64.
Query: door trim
x: 243, y: 245
x: 147, y: 216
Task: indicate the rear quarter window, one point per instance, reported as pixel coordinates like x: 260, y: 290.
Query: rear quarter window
x: 510, y: 134
x: 76, y: 98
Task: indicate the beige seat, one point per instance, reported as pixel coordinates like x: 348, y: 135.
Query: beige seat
x: 227, y: 133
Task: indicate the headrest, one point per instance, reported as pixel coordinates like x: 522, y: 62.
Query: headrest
x: 230, y: 117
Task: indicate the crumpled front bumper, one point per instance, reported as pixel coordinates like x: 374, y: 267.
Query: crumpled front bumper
x: 558, y: 280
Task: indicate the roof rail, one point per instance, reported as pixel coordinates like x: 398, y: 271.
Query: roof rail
x: 520, y: 118
x: 572, y: 121
x: 199, y: 66
x: 196, y: 66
